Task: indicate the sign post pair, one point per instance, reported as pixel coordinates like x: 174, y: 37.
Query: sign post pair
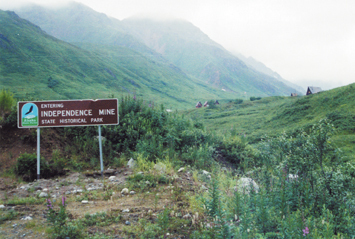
x: 65, y: 113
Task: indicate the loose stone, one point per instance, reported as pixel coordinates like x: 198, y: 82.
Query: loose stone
x: 43, y: 195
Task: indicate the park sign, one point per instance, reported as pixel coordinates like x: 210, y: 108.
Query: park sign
x: 62, y: 113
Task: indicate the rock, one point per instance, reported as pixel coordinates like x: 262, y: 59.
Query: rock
x: 27, y: 218
x: 38, y: 188
x: 186, y: 216
x: 43, y: 195
x: 2, y: 206
x: 85, y: 202
x: 246, y: 184
x: 45, y: 190
x: 205, y: 172
x: 112, y: 178
x: 132, y: 192
x: 103, y: 139
x: 181, y: 170
x: 54, y: 196
x: 140, y: 173
x: 125, y: 210
x: 131, y: 163
x: 203, y: 187
x: 128, y: 223
x: 293, y: 177
x: 67, y: 192
x: 147, y: 182
x: 224, y: 169
x: 160, y: 167
x: 109, y: 171
x: 125, y: 191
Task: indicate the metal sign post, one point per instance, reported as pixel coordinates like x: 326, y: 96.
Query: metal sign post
x: 100, y: 145
x: 38, y: 152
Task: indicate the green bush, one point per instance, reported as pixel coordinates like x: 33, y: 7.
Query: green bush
x: 253, y: 98
x: 10, y: 119
x: 238, y: 101
x: 26, y: 167
x: 6, y: 102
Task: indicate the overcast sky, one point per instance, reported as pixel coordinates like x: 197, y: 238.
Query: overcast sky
x: 308, y: 42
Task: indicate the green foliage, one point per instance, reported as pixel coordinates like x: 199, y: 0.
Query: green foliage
x: 25, y: 201
x: 100, y: 219
x: 253, y: 98
x: 305, y: 190
x: 62, y: 228
x: 26, y: 167
x: 6, y: 102
x: 52, y: 82
x: 7, y: 216
x: 10, y: 120
x: 238, y: 101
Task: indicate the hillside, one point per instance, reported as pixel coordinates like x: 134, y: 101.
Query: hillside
x: 177, y: 42
x: 273, y: 115
x: 36, y: 65
x: 261, y: 67
x: 193, y: 51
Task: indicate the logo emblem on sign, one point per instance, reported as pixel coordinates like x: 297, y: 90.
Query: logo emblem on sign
x: 29, y: 115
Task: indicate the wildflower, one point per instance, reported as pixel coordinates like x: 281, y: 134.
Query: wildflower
x: 49, y: 204
x: 63, y: 201
x: 305, y: 231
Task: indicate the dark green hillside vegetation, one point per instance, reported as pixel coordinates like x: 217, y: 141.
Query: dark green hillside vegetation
x: 289, y: 186
x: 34, y: 64
x: 148, y: 131
x: 273, y: 115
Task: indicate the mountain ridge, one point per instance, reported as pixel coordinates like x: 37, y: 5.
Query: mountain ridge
x: 194, y: 53
x: 37, y: 65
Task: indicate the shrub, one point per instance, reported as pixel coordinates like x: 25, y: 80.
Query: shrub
x: 26, y: 167
x: 6, y: 102
x: 62, y: 228
x: 238, y: 101
x: 10, y: 119
x: 253, y: 98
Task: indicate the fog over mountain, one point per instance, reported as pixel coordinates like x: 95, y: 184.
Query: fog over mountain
x: 298, y: 39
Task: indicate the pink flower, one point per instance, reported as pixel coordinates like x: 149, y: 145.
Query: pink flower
x: 49, y: 204
x: 305, y: 231
x: 63, y: 201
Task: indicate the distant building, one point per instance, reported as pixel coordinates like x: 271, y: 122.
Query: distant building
x: 293, y: 94
x: 205, y: 104
x: 313, y: 90
x: 216, y: 102
x: 199, y: 104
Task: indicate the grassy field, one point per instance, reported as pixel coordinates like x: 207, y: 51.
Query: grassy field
x: 273, y: 115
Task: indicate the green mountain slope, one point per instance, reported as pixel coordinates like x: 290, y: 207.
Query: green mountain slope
x: 178, y: 41
x: 190, y: 49
x: 34, y: 64
x: 274, y: 115
x: 259, y: 66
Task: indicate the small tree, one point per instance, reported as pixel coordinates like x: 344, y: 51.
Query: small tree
x: 6, y: 102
